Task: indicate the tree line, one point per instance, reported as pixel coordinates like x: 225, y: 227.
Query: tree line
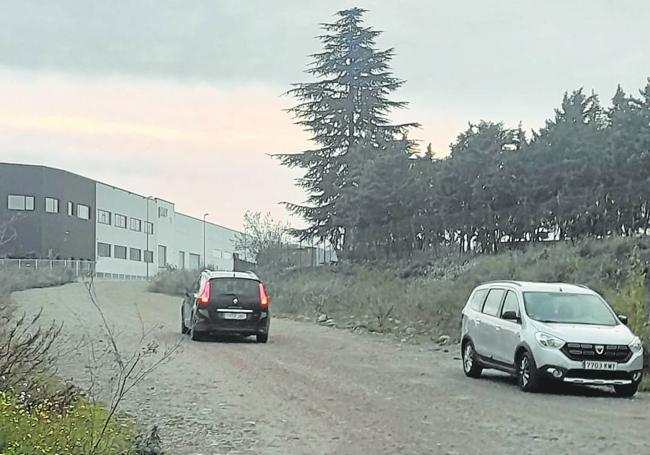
x: 372, y: 194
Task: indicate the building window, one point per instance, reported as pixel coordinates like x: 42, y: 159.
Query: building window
x: 19, y: 202
x: 120, y: 252
x: 136, y: 224
x: 162, y: 255
x: 103, y: 217
x: 135, y: 254
x: 103, y: 250
x: 83, y: 212
x: 148, y: 256
x: 120, y: 221
x: 51, y: 205
x: 181, y: 260
x: 163, y: 212
x: 70, y: 209
x: 148, y: 227
x: 195, y: 261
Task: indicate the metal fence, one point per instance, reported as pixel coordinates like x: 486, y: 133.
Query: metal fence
x: 78, y: 268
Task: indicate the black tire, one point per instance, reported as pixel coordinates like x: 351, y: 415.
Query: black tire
x: 471, y: 366
x: 184, y: 329
x: 262, y: 337
x: 626, y: 391
x: 194, y: 335
x: 529, y: 378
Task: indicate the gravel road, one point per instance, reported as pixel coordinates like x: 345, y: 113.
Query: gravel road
x: 316, y: 390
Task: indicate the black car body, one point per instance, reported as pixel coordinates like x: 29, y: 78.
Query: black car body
x: 233, y: 303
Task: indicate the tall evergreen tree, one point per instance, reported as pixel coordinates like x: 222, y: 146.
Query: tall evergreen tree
x: 346, y: 110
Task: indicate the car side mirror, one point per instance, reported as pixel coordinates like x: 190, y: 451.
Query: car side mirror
x: 511, y: 316
x: 622, y: 318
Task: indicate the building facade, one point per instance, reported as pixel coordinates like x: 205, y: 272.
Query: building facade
x: 54, y: 214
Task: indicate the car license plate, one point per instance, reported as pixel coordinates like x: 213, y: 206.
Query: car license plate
x: 235, y: 316
x: 608, y: 366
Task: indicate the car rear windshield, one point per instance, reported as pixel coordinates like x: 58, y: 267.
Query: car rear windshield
x: 564, y: 308
x: 235, y: 286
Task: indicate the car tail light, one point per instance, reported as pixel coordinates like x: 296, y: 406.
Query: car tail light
x: 264, y: 297
x: 204, y: 298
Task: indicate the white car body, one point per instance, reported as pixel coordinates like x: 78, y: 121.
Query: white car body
x: 569, y: 352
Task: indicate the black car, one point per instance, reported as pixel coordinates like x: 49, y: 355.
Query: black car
x: 234, y: 303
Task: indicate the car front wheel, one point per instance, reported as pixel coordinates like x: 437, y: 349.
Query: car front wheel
x: 626, y: 391
x: 528, y: 376
x: 471, y: 367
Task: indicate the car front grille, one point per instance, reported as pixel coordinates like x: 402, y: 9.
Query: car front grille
x: 599, y: 352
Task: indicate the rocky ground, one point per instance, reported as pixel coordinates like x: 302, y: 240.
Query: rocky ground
x: 319, y: 390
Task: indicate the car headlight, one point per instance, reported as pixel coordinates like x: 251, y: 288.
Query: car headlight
x: 636, y: 345
x: 549, y: 341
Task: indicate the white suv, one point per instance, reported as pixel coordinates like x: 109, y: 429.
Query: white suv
x: 554, y: 331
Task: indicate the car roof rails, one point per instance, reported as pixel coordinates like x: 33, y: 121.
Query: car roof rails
x: 516, y: 283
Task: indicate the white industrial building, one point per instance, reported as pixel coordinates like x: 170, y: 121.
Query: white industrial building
x: 137, y: 236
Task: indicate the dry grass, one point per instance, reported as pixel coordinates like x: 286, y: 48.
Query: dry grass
x: 425, y: 296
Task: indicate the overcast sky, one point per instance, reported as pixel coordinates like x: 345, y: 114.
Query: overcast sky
x: 180, y: 99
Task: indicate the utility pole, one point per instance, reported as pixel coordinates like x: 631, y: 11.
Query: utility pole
x: 146, y: 232
x: 204, y: 216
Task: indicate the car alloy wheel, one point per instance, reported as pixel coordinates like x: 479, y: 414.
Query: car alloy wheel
x: 468, y: 360
x: 524, y: 371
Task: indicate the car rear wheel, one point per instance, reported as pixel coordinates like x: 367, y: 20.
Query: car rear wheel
x: 471, y: 367
x: 626, y: 391
x: 194, y: 335
x: 528, y: 376
x: 184, y: 329
x: 262, y: 337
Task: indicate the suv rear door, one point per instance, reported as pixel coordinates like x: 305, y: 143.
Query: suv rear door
x: 508, y: 330
x: 487, y: 322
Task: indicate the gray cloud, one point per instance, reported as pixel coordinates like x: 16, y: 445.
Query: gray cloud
x: 508, y: 60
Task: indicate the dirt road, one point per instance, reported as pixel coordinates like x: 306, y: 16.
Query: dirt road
x: 315, y: 390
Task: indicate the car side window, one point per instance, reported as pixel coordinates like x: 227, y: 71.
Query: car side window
x: 493, y: 302
x: 476, y: 302
x: 511, y: 303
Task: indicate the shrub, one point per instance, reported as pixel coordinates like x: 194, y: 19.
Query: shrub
x: 172, y: 281
x: 43, y: 429
x: 632, y: 300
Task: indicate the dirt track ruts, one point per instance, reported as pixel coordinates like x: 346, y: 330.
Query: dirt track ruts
x: 316, y: 390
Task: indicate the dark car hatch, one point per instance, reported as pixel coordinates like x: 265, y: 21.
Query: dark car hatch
x: 236, y: 293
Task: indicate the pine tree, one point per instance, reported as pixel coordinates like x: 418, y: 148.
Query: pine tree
x: 346, y: 110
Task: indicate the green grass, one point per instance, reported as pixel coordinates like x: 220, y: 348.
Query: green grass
x: 47, y: 429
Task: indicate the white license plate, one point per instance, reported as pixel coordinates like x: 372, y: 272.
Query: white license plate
x: 608, y: 366
x: 235, y: 316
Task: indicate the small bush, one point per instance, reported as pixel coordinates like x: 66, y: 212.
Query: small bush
x: 633, y: 300
x: 172, y: 282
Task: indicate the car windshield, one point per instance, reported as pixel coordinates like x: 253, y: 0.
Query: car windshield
x: 563, y: 308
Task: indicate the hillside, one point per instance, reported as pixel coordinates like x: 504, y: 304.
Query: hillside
x: 422, y: 297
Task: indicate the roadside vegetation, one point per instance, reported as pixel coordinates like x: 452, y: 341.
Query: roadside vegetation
x: 41, y: 414
x: 421, y: 298
x: 172, y: 281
